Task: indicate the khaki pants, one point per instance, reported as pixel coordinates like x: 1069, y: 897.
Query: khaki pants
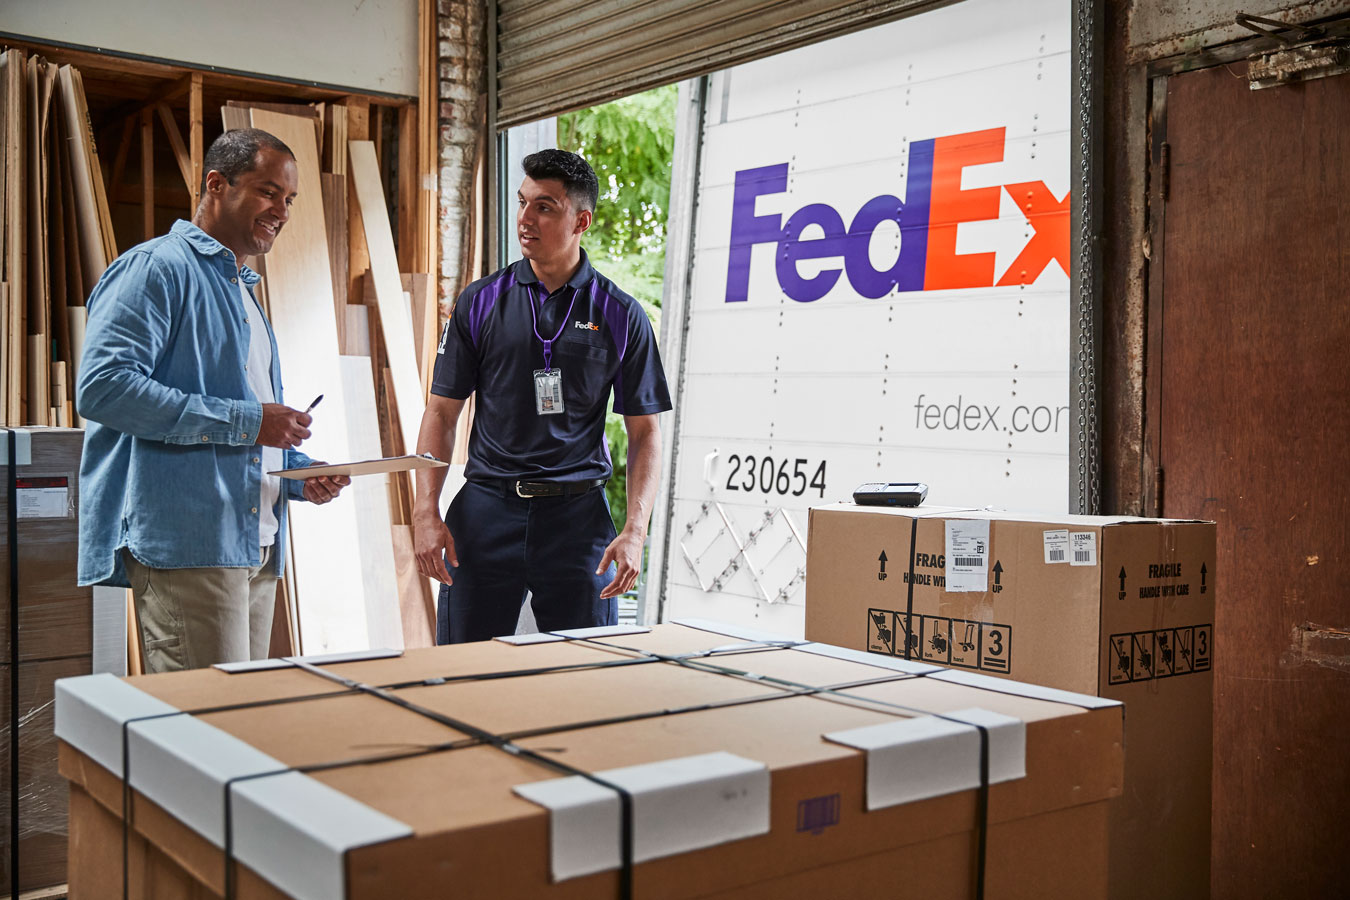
x: 192, y: 618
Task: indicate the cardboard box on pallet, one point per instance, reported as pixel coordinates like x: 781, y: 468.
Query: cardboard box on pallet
x: 53, y: 640
x: 1114, y: 606
x: 755, y: 770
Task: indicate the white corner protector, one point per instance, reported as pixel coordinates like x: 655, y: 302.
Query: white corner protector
x: 678, y: 805
x: 927, y: 756
x: 548, y: 637
x: 90, y: 711
x: 737, y: 631
x: 23, y: 447
x: 870, y: 659
x: 1022, y: 689
x: 295, y: 831
x: 288, y: 827
x: 320, y: 659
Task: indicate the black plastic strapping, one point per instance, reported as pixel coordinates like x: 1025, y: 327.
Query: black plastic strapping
x: 12, y: 488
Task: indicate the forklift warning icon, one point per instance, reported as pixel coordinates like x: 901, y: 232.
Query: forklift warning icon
x: 1162, y: 653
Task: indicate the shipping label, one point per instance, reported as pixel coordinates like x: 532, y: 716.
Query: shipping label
x: 967, y: 555
x: 44, y: 498
x: 1056, y: 546
x: 1083, y: 548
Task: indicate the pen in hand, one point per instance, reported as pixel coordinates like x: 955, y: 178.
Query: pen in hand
x: 310, y: 408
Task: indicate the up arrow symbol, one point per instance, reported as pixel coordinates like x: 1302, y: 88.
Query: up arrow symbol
x: 881, y: 573
x: 1203, y: 572
x: 1122, y: 579
x: 998, y: 571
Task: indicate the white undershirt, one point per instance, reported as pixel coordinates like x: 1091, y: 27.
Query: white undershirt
x: 259, y: 373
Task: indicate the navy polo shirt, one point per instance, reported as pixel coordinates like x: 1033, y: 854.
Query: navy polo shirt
x: 489, y: 345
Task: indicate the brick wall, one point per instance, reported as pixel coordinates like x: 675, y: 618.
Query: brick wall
x: 461, y: 26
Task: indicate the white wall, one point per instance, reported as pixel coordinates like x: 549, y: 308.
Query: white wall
x: 367, y: 45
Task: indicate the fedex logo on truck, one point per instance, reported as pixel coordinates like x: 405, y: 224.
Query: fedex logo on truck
x: 928, y: 217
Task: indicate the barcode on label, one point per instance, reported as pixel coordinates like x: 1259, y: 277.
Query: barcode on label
x: 1082, y: 556
x: 1056, y: 556
x: 976, y: 561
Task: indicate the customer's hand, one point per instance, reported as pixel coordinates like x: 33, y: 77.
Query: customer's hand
x: 282, y: 426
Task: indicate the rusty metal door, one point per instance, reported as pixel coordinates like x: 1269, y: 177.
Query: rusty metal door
x: 1249, y: 422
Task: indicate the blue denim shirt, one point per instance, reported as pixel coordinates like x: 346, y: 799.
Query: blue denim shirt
x: 170, y: 468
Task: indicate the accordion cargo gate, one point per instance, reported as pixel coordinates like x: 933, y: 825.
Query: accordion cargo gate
x: 747, y: 767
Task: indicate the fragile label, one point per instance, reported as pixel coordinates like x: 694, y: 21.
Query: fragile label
x: 967, y: 555
x: 1083, y: 548
x: 43, y: 498
x: 1056, y: 546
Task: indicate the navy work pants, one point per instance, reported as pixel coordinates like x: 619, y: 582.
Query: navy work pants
x: 507, y: 545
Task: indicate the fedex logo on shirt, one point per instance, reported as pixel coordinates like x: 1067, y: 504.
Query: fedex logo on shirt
x: 928, y: 217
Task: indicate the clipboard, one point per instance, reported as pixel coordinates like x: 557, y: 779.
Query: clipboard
x: 365, y: 467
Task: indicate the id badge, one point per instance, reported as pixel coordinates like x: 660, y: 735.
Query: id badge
x: 548, y: 399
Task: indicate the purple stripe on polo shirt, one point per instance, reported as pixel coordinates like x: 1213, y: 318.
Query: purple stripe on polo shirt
x: 487, y: 298
x: 616, y: 317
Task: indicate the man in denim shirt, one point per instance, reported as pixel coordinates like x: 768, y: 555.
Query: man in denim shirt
x: 181, y: 386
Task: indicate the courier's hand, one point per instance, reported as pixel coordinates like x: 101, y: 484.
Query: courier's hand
x: 433, y: 545
x: 282, y: 426
x: 324, y: 487
x: 625, y: 551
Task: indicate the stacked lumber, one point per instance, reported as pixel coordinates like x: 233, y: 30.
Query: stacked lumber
x: 56, y: 238
x: 367, y: 344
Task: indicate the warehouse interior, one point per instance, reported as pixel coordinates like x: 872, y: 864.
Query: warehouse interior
x: 1202, y: 165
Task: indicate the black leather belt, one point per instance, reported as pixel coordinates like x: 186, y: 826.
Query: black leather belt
x: 531, y: 489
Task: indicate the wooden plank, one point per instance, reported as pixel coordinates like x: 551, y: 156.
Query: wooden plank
x: 417, y: 608
x: 408, y: 177
x: 180, y: 151
x: 78, y: 317
x: 36, y: 324
x: 328, y: 551
x: 426, y: 325
x: 358, y: 331
x: 196, y: 145
x: 395, y: 322
x: 358, y: 259
x: 95, y: 170
x: 335, y: 219
x: 147, y: 173
x: 427, y: 256
x: 94, y: 257
x: 56, y: 246
x: 370, y: 496
x: 335, y: 140
x: 16, y: 218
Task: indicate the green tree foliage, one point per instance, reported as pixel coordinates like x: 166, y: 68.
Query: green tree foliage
x: 630, y: 143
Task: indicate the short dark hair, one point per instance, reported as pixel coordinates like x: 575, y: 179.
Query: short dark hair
x: 236, y: 152
x: 575, y: 173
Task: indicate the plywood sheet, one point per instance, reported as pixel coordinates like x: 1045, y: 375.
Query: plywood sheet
x: 369, y: 493
x: 335, y: 218
x: 87, y: 180
x: 327, y: 546
x: 416, y: 606
x: 15, y: 227
x: 395, y: 320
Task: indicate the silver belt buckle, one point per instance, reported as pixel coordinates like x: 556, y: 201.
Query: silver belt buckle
x: 521, y: 495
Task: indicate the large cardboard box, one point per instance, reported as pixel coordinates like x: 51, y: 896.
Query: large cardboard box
x: 53, y: 639
x: 1114, y: 606
x: 754, y: 770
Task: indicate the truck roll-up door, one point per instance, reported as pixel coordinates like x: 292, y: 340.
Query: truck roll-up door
x: 560, y: 55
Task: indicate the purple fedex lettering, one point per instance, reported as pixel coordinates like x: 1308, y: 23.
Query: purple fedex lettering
x: 748, y: 229
x: 911, y: 215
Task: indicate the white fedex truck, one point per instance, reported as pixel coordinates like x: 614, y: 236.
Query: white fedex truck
x: 867, y: 280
